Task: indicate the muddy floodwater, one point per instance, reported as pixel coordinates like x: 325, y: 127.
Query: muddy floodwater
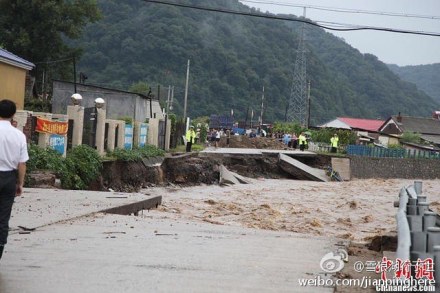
x: 357, y: 210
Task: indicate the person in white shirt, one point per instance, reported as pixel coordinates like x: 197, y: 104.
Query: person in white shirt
x: 217, y: 138
x: 13, y: 158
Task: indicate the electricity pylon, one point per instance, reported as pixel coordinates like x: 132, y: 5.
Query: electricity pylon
x: 298, y: 102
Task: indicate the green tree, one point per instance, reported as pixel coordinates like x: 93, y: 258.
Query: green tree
x: 141, y: 87
x: 288, y: 127
x: 38, y: 31
x: 346, y: 137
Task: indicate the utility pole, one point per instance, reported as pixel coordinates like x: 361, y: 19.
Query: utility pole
x: 168, y: 99
x: 172, y: 98
x: 42, y: 83
x: 186, y: 92
x: 262, y: 108
x: 74, y: 74
x: 245, y: 120
x: 308, y: 105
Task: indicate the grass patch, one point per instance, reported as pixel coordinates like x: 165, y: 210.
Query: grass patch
x: 182, y: 148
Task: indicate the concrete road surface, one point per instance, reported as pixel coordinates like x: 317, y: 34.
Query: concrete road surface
x: 148, y: 253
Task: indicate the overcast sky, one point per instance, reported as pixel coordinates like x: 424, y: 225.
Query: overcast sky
x: 400, y: 49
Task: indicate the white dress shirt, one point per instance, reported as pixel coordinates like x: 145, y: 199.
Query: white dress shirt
x: 13, y: 147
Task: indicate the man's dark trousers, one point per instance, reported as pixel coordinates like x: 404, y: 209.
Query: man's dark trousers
x: 8, y: 181
x: 188, y: 146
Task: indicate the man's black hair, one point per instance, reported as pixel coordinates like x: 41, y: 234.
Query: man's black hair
x: 7, y: 109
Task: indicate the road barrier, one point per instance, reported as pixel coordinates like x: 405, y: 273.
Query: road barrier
x: 418, y: 229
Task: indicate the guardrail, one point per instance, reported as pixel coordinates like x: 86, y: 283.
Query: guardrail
x: 418, y: 229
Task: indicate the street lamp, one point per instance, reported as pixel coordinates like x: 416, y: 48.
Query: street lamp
x: 99, y: 103
x: 76, y: 99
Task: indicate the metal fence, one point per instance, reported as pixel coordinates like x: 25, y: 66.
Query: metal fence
x: 377, y: 152
x: 418, y: 230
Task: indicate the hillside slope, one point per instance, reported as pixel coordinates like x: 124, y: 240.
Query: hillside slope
x: 426, y: 77
x: 232, y: 57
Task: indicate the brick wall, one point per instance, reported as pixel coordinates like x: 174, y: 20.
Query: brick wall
x: 365, y: 167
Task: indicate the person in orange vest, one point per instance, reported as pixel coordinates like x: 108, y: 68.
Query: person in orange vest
x: 190, y: 137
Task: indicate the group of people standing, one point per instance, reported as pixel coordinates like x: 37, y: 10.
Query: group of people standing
x: 213, y: 137
x: 294, y: 141
x: 291, y: 140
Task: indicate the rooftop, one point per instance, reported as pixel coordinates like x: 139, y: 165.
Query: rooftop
x: 355, y: 123
x: 417, y: 124
x: 8, y: 57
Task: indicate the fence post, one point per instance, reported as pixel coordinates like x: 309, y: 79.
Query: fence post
x: 76, y: 113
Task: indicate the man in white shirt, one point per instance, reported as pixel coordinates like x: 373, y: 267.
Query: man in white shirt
x: 13, y: 157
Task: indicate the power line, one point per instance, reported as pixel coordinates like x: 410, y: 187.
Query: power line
x: 277, y: 17
x: 345, y: 10
x: 54, y: 61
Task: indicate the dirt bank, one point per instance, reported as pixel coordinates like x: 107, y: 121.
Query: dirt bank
x: 193, y: 169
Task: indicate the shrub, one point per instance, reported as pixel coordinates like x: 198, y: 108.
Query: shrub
x: 395, y: 146
x: 83, y: 165
x: 44, y: 159
x: 346, y: 137
x: 137, y: 153
x: 410, y: 137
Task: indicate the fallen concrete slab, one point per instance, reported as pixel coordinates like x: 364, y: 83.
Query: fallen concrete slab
x: 301, y: 171
x: 39, y: 207
x: 228, y: 177
x: 135, y: 207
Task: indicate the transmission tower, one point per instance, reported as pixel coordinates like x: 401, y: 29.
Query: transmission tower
x: 298, y: 102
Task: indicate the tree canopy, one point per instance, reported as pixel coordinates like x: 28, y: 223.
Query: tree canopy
x: 424, y: 76
x: 37, y: 31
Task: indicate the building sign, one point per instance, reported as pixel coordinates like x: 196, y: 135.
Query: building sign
x: 57, y: 142
x: 143, y: 134
x: 52, y: 127
x: 128, y: 138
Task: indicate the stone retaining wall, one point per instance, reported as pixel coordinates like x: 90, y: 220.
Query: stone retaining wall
x: 387, y: 168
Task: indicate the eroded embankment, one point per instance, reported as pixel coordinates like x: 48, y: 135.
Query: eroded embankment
x: 193, y: 169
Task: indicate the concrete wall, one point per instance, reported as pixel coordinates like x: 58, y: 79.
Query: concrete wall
x: 12, y: 84
x: 119, y: 104
x: 385, y: 168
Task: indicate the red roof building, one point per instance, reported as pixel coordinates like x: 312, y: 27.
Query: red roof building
x: 370, y: 125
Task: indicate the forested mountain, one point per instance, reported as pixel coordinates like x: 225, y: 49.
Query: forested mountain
x: 426, y: 77
x: 233, y: 57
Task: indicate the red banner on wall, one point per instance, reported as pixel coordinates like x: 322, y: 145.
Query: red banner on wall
x: 52, y: 127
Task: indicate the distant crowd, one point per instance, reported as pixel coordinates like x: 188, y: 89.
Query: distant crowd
x: 291, y: 140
